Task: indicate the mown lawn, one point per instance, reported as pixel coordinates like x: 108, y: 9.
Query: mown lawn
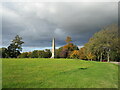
x: 58, y: 73
x: 0, y: 74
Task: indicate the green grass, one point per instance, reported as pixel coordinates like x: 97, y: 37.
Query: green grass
x: 58, y: 73
x: 0, y: 74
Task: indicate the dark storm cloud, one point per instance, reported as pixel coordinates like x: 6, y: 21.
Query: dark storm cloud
x: 38, y: 23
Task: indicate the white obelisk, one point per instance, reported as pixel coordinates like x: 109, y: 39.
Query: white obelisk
x: 53, y: 48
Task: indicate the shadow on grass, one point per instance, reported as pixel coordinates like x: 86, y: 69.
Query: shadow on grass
x: 82, y: 68
x: 72, y: 71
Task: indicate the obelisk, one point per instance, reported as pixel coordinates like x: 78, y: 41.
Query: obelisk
x: 53, y: 48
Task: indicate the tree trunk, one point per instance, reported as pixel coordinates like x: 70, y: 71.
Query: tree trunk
x: 98, y: 58
x: 101, y: 58
x: 108, y: 57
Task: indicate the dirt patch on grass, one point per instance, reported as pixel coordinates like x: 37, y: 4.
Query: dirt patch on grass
x: 116, y: 63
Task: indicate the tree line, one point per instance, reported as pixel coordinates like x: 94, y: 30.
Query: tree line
x: 36, y: 54
x: 103, y: 45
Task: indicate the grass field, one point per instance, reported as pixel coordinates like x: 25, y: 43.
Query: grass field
x: 0, y: 74
x: 58, y: 73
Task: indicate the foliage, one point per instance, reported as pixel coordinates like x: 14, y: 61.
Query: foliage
x: 90, y: 56
x: 75, y: 54
x: 64, y: 51
x: 36, y: 54
x: 29, y: 54
x: 104, y: 44
x: 23, y: 55
x: 3, y: 52
x: 12, y: 52
x: 67, y: 49
x: 15, y: 47
x: 47, y: 53
x: 58, y: 52
x: 17, y: 43
x: 68, y: 39
x: 82, y: 52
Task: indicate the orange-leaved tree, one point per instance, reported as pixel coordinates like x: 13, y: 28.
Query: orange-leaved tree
x: 82, y: 52
x: 75, y: 54
x: 68, y: 39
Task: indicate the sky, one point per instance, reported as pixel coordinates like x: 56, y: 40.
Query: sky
x: 38, y: 22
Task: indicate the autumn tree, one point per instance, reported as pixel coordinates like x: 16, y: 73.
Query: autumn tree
x: 64, y: 53
x: 82, y: 53
x: 68, y: 39
x: 75, y: 54
x: 67, y: 49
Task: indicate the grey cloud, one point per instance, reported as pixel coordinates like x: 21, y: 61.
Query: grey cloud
x: 38, y: 23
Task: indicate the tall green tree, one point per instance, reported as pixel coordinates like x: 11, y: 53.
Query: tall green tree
x: 15, y: 47
x: 3, y: 52
x: 104, y: 44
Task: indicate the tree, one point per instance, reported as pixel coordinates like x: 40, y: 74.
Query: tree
x: 82, y: 52
x: 75, y: 54
x: 23, y: 55
x: 104, y: 44
x: 15, y: 47
x: 0, y: 52
x: 64, y: 51
x: 38, y: 54
x: 3, y: 52
x: 47, y: 53
x: 90, y: 56
x: 68, y: 39
x: 35, y: 54
x: 29, y: 55
x: 58, y: 52
x: 41, y: 54
x: 67, y: 49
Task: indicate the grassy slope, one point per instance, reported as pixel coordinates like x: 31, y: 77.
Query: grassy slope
x: 58, y: 73
x: 0, y: 74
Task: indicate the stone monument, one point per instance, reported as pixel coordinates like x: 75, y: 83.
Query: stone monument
x: 53, y: 48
